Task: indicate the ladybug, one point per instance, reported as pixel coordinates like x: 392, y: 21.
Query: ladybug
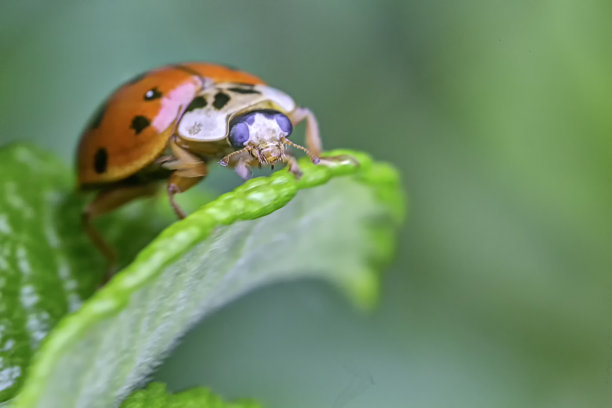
x: 170, y: 122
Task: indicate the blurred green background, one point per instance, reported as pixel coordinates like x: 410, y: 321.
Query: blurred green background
x: 497, y: 115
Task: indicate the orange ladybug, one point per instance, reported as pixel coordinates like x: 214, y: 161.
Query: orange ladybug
x: 170, y: 122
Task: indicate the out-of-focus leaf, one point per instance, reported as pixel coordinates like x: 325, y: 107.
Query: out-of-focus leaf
x: 48, y: 266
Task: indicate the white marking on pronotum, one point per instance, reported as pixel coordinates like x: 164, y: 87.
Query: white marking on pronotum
x: 277, y: 96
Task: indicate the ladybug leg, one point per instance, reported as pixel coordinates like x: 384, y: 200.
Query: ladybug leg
x: 243, y: 170
x: 178, y: 184
x: 313, y: 138
x: 189, y: 170
x: 293, y: 166
x: 106, y: 201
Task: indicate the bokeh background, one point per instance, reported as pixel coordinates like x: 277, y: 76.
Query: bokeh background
x: 496, y: 113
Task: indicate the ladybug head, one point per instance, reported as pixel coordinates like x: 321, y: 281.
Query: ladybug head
x: 260, y: 127
x: 260, y: 138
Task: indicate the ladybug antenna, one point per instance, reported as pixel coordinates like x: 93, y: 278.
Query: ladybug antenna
x: 225, y: 161
x: 313, y: 158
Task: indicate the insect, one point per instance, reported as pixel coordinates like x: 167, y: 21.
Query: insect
x: 171, y: 122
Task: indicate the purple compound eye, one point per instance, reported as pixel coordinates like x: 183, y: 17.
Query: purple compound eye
x: 239, y: 134
x: 284, y: 123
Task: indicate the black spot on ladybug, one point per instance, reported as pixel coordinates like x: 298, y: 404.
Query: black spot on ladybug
x: 139, y: 123
x: 100, y: 160
x: 244, y: 90
x: 197, y: 103
x: 221, y: 99
x: 97, y: 117
x: 151, y: 94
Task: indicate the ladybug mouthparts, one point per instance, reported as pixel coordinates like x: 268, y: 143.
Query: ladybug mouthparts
x: 268, y: 153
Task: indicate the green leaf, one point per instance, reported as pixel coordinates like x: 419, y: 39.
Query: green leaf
x: 48, y: 267
x: 155, y: 396
x: 42, y: 259
x: 337, y: 222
